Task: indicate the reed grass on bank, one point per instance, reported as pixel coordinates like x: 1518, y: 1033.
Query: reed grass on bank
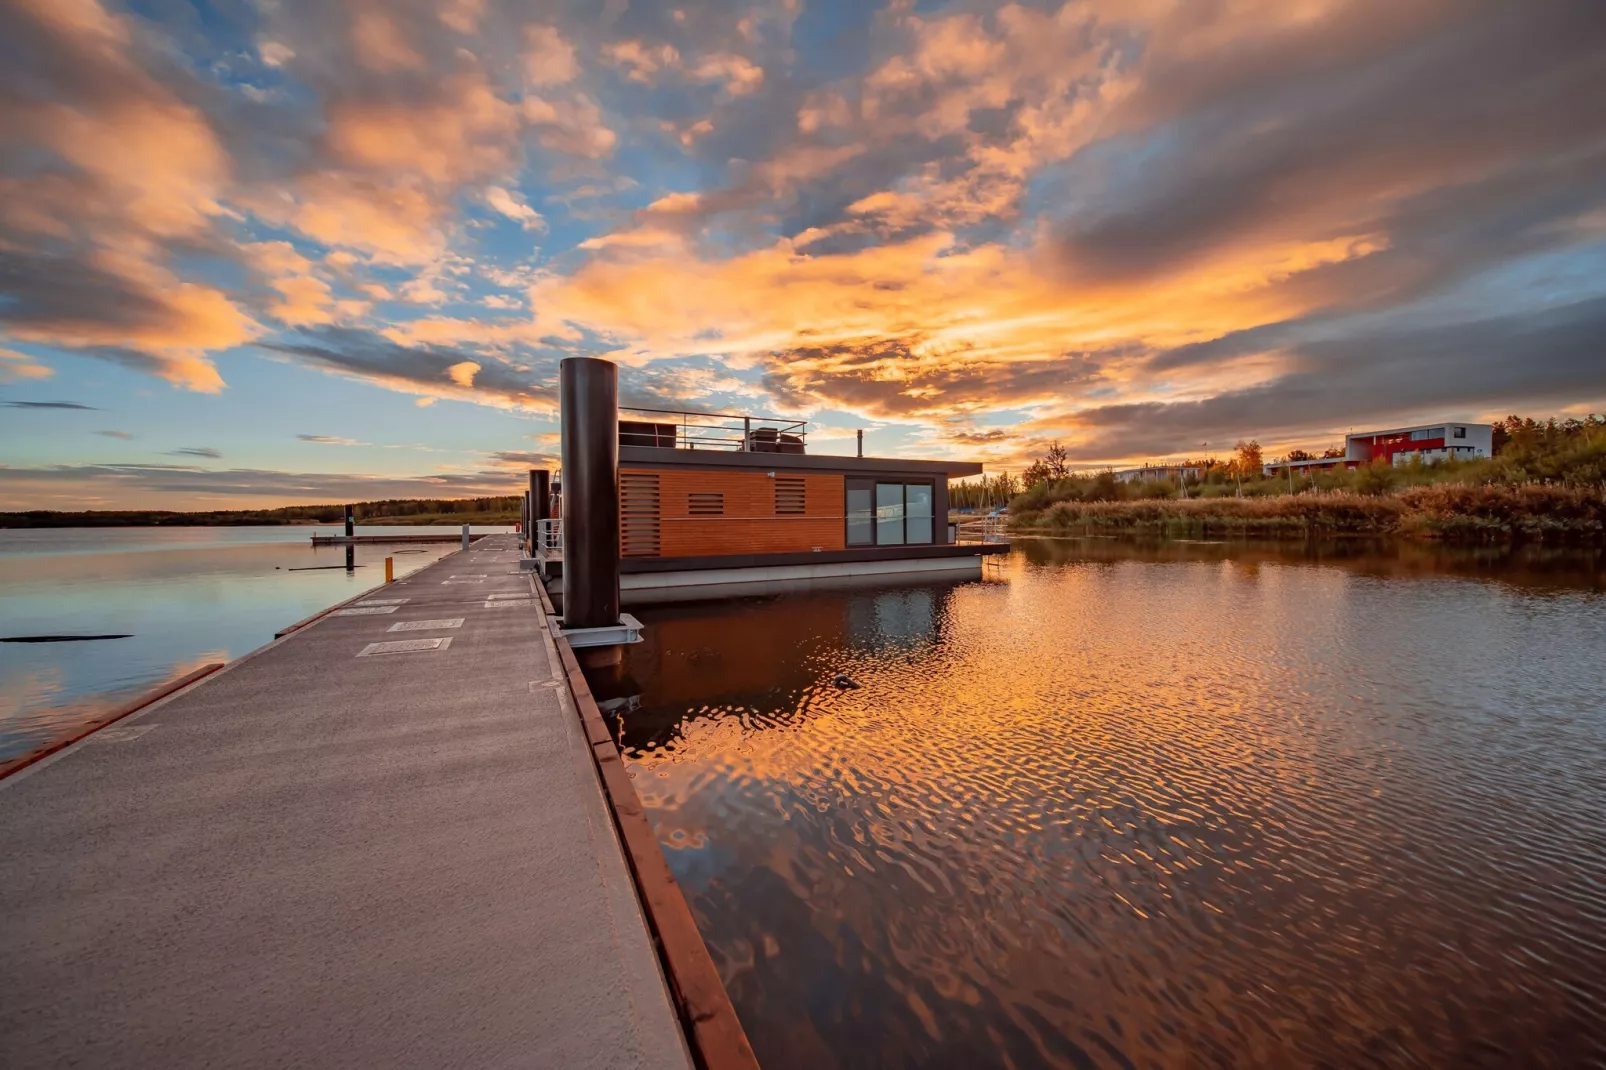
x: 1451, y: 512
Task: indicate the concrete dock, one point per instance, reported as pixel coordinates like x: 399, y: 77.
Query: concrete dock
x: 378, y: 841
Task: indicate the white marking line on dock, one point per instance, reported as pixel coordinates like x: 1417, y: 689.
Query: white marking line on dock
x: 364, y: 611
x: 120, y: 733
x: 383, y: 601
x: 505, y: 604
x: 425, y: 625
x: 404, y: 646
x: 463, y: 579
x: 509, y: 594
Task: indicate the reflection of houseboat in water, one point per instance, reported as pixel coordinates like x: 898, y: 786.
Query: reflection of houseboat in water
x: 711, y: 505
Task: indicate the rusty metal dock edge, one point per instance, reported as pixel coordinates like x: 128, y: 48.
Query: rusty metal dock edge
x: 712, y: 1028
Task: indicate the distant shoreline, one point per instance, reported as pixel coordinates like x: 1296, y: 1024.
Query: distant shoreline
x: 422, y: 513
x: 11, y: 522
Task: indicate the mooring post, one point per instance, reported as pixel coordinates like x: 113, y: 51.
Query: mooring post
x: 588, y: 391
x: 351, y: 522
x: 390, y: 570
x: 465, y: 536
x: 540, y: 494
x: 861, y: 441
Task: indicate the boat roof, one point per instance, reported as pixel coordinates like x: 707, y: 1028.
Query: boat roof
x: 662, y: 456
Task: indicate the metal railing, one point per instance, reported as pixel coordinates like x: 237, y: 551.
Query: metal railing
x: 993, y: 527
x: 711, y: 431
x: 549, y: 537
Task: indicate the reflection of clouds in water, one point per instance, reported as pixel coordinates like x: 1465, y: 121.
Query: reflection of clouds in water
x: 1131, y: 777
x: 22, y: 690
x: 189, y: 665
x: 31, y: 709
x: 34, y: 706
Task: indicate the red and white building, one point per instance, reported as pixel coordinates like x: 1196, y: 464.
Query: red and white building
x: 1402, y: 445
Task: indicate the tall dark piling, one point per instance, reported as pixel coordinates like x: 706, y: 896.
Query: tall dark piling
x: 540, y: 495
x: 588, y: 391
x: 351, y: 533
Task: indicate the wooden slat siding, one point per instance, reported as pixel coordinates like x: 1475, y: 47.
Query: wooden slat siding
x: 713, y: 1031
x: 750, y: 524
x: 640, y: 506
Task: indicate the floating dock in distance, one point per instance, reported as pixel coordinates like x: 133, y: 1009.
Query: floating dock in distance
x: 352, y: 540
x: 379, y: 841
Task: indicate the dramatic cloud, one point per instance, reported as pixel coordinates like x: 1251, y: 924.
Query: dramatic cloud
x: 428, y: 370
x: 47, y: 405
x: 1136, y: 227
x: 19, y: 367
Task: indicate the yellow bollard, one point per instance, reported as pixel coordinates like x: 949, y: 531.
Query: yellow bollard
x: 390, y: 570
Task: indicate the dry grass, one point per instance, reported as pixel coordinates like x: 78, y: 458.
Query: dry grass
x: 1453, y: 512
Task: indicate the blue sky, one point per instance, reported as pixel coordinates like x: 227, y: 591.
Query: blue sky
x: 281, y: 250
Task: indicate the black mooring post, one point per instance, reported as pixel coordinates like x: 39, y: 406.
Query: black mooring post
x: 351, y: 532
x: 861, y: 442
x: 351, y: 524
x: 539, y: 496
x: 588, y: 391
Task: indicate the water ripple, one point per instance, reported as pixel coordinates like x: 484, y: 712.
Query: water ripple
x: 1122, y: 812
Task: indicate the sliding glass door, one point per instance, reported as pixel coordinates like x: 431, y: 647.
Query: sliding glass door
x: 889, y: 513
x: 861, y: 513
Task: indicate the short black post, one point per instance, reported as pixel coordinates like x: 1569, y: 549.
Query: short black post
x: 861, y: 441
x: 351, y: 537
x: 588, y: 391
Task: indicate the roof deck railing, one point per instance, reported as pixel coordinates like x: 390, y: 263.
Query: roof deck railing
x: 674, y: 429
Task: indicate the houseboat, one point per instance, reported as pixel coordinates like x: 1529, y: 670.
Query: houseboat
x: 713, y: 505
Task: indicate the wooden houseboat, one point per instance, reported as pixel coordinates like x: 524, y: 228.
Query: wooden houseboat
x: 713, y: 505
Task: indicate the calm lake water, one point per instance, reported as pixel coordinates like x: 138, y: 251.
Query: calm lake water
x: 187, y: 596
x: 1122, y: 806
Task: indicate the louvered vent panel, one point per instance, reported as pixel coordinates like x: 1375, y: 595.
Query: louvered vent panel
x: 790, y: 499
x: 639, y: 512
x: 704, y: 504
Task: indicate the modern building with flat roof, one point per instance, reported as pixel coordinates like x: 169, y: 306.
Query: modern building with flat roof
x: 1430, y: 443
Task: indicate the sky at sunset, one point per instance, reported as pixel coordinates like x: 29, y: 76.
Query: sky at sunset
x: 274, y: 251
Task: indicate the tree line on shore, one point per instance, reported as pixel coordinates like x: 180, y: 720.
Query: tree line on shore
x: 497, y: 510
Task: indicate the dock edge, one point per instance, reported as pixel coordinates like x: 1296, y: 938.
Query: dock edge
x: 712, y: 1029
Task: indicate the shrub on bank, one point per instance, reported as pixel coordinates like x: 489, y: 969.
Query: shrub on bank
x: 1456, y: 512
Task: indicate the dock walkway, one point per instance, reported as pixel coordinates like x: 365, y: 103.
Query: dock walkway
x: 337, y: 852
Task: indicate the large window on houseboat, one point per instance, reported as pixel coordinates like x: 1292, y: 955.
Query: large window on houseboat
x: 861, y: 514
x: 888, y: 513
x: 917, y: 512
